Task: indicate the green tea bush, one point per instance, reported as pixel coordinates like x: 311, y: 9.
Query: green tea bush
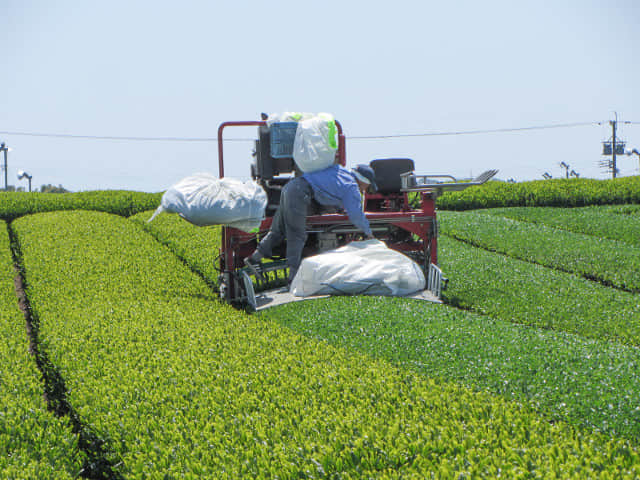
x: 610, y: 262
x: 591, y: 383
x: 186, y: 387
x: 119, y: 202
x: 544, y: 193
x: 198, y: 247
x: 33, y: 442
x: 179, y: 232
x: 615, y: 222
x: 525, y: 293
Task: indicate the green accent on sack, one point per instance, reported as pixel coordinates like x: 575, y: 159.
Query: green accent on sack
x: 332, y: 134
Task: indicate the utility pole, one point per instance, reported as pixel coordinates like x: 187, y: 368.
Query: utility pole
x: 4, y: 149
x: 613, y: 147
x: 613, y: 124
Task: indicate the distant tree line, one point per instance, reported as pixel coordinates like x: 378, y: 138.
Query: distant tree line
x: 43, y: 188
x: 53, y: 189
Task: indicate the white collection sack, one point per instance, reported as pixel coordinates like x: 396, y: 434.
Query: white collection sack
x: 314, y: 147
x: 360, y: 268
x: 203, y: 199
x: 288, y: 117
x: 315, y: 144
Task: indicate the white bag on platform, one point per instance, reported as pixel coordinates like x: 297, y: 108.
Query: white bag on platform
x: 360, y: 268
x: 203, y: 199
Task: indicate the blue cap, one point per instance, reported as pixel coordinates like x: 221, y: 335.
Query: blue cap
x: 365, y: 174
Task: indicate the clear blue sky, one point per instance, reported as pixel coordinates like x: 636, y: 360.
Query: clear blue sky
x: 141, y: 68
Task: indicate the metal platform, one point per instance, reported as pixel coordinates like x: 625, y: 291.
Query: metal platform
x: 422, y: 183
x: 280, y: 296
x: 273, y: 297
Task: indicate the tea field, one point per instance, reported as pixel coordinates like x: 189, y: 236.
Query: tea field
x: 123, y: 362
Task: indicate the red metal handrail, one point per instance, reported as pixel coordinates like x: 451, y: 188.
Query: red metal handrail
x: 341, y: 154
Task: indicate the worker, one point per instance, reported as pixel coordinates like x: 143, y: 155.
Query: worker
x: 334, y: 186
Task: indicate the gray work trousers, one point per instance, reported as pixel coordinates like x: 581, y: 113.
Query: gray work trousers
x: 289, y: 223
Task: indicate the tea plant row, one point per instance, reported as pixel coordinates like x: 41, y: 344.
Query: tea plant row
x: 589, y: 383
x: 569, y: 376
x: 485, y: 282
x: 517, y: 292
x: 119, y: 202
x: 524, y: 293
x: 198, y: 247
x: 34, y: 443
x: 545, y: 193
x: 185, y: 387
x: 611, y: 262
x: 495, y: 194
x: 615, y: 222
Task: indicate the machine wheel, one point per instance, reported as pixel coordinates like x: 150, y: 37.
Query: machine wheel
x: 250, y: 294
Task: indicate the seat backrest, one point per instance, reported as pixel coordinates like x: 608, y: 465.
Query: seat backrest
x: 388, y: 171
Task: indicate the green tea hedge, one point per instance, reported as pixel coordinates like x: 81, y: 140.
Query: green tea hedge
x: 615, y: 222
x: 591, y: 383
x: 525, y: 293
x: 186, y: 387
x: 483, y: 281
x: 33, y: 442
x: 198, y: 247
x: 544, y: 193
x: 119, y: 202
x: 610, y: 262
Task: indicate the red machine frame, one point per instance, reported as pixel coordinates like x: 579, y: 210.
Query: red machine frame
x: 392, y: 218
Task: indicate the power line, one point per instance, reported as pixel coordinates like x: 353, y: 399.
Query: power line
x: 109, y: 137
x: 364, y: 137
x: 476, y: 132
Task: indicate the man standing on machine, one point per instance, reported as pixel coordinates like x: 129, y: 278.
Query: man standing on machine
x: 334, y: 186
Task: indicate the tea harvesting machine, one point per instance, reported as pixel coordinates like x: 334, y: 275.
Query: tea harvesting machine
x: 402, y: 214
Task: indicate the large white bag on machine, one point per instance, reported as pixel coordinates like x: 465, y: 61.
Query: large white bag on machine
x: 288, y: 117
x: 360, y: 268
x: 203, y: 199
x: 314, y: 147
